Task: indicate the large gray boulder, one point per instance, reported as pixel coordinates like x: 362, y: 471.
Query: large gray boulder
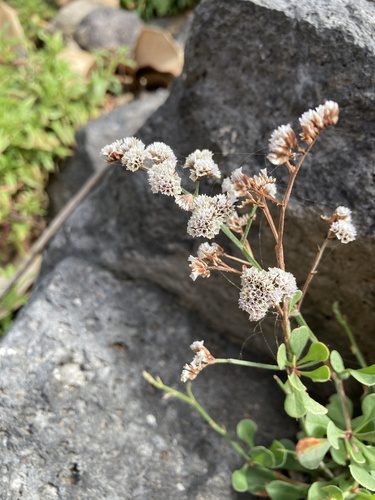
x: 77, y: 419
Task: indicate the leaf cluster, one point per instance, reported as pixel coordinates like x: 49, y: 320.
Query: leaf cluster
x: 42, y: 104
x: 335, y: 454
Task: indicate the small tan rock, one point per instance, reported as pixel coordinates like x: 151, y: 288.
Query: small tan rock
x: 157, y: 49
x: 80, y: 61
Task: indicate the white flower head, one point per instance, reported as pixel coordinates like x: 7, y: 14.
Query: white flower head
x: 237, y: 184
x: 344, y: 230
x: 185, y: 201
x: 237, y: 222
x: 158, y: 152
x: 314, y: 121
x: 202, y: 358
x: 210, y: 252
x: 112, y: 151
x: 201, y: 165
x: 263, y: 182
x: 208, y: 215
x: 343, y: 213
x: 260, y: 290
x: 164, y: 179
x: 199, y: 267
x: 131, y: 147
x: 281, y: 145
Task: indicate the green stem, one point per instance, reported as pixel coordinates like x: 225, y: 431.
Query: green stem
x: 353, y: 343
x: 190, y: 399
x: 301, y: 321
x: 248, y: 225
x: 251, y: 364
x: 216, y: 427
x: 240, y: 245
x: 344, y: 403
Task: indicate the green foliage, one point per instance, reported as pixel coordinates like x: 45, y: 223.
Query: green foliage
x: 42, y: 104
x: 148, y: 9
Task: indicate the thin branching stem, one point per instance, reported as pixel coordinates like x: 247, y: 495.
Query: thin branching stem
x: 339, y: 384
x: 269, y: 218
x: 353, y: 343
x: 248, y: 225
x: 190, y: 399
x: 249, y: 364
x: 314, y: 268
x: 293, y: 174
x: 225, y: 229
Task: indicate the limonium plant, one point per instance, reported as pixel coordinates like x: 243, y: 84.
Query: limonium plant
x: 334, y: 456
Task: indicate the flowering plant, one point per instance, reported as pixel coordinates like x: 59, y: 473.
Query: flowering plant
x: 334, y: 457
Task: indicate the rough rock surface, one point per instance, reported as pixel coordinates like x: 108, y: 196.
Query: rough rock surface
x: 77, y: 420
x: 108, y: 28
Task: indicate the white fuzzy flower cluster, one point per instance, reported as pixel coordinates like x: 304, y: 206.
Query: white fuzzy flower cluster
x: 263, y: 182
x: 342, y: 226
x: 130, y: 151
x: 281, y: 145
x: 208, y: 215
x: 261, y: 289
x: 201, y: 164
x: 202, y: 358
x: 158, y: 159
x: 164, y: 179
x: 240, y: 184
x: 314, y: 121
x: 158, y: 152
x: 207, y: 255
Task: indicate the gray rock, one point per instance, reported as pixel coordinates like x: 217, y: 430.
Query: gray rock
x: 69, y: 16
x: 77, y: 419
x: 107, y: 28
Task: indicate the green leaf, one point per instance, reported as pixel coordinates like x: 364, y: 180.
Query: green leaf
x: 246, y: 429
x: 321, y: 374
x: 311, y: 451
x: 282, y: 359
x: 366, y: 421
x: 317, y: 353
x: 316, y: 425
x: 365, y: 376
x: 294, y: 405
x: 313, y: 406
x: 367, y: 451
x: 333, y: 492
x: 279, y: 452
x: 339, y: 456
x: 296, y: 298
x: 295, y: 382
x: 334, y: 434
x: 298, y: 402
x: 280, y: 490
x: 363, y: 477
x: 337, y: 362
x: 258, y: 478
x: 317, y: 491
x: 239, y: 479
x: 335, y: 412
x: 298, y: 340
x: 355, y: 455
x: 368, y: 407
x: 262, y: 456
